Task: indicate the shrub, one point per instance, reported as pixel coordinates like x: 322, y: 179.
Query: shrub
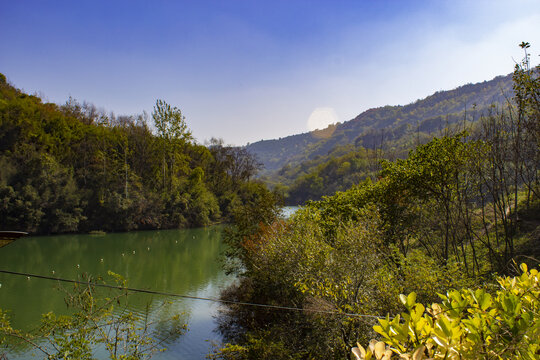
x: 467, y: 324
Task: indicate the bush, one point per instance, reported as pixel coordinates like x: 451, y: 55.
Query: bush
x: 467, y: 324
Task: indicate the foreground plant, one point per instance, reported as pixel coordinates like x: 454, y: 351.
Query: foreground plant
x: 97, y: 321
x: 467, y: 324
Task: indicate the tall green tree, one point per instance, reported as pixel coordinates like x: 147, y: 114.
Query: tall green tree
x: 173, y: 134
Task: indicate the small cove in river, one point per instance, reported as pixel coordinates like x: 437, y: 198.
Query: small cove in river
x: 174, y: 261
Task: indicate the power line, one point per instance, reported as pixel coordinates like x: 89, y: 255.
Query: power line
x: 154, y: 292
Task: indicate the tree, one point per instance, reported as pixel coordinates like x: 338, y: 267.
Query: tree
x: 170, y: 123
x: 173, y: 133
x: 436, y: 176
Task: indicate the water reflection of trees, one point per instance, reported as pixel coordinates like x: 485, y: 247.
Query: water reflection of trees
x: 101, y: 323
x: 175, y: 261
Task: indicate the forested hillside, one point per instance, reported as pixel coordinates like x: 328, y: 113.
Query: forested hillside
x: 436, y: 227
x: 389, y: 124
x: 351, y: 152
x: 73, y: 168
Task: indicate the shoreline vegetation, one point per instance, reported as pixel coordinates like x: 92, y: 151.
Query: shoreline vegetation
x: 74, y: 168
x: 446, y: 225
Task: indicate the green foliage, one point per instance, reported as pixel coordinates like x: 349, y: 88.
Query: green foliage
x: 469, y: 324
x: 253, y: 210
x: 36, y: 190
x: 391, y: 130
x: 74, y: 168
x: 448, y: 216
x: 421, y: 228
x: 434, y: 185
x: 203, y: 204
x: 352, y: 271
x: 97, y: 321
x: 172, y: 134
x: 260, y: 346
x: 6, y: 331
x: 339, y: 170
x: 170, y: 123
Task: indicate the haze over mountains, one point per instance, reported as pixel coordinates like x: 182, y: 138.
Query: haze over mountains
x: 386, y: 124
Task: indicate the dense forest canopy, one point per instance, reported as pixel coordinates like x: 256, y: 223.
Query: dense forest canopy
x: 74, y: 168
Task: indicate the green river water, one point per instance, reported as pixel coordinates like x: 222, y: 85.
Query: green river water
x: 174, y: 261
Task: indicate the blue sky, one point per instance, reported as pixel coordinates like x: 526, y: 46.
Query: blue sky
x: 246, y: 70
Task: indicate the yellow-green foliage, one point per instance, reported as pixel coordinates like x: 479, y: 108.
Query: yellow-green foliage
x: 467, y: 324
x: 73, y: 168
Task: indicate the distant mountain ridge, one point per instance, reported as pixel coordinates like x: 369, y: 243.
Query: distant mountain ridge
x: 387, y: 123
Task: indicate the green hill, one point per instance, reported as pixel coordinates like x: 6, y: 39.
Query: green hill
x: 73, y: 168
x: 377, y: 126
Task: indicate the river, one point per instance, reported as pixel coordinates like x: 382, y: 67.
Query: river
x: 173, y: 261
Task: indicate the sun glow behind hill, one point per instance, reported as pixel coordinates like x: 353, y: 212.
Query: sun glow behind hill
x: 321, y: 117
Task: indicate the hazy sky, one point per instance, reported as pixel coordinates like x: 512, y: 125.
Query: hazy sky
x: 246, y: 70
